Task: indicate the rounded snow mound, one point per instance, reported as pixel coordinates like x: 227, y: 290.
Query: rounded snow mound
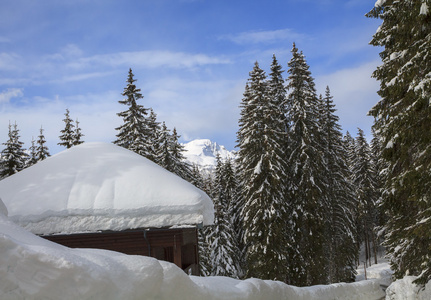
x: 100, y: 186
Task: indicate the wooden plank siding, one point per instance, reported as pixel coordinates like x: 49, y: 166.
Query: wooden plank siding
x: 179, y: 246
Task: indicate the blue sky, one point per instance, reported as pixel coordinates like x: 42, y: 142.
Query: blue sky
x: 191, y: 59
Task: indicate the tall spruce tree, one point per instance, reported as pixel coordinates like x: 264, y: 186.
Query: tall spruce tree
x: 134, y: 133
x: 402, y: 119
x: 262, y: 167
x: 67, y: 136
x: 224, y: 248
x: 13, y: 155
x: 341, y: 227
x: 364, y: 180
x: 307, y: 184
x: 163, y: 154
x: 155, y: 129
x: 179, y: 165
x: 204, y: 234
x: 236, y: 206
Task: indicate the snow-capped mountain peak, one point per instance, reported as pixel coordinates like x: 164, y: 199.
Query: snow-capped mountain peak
x: 203, y: 153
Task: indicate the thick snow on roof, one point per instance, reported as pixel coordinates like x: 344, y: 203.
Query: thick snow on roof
x: 34, y: 268
x: 100, y: 186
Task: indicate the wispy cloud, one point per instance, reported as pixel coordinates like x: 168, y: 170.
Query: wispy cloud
x: 9, y: 61
x: 5, y: 96
x: 264, y: 37
x: 355, y: 93
x: 149, y: 59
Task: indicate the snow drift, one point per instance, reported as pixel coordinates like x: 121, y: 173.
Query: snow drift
x: 405, y: 289
x: 34, y: 268
x: 100, y: 186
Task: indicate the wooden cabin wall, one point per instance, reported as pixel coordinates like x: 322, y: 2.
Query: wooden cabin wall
x: 178, y: 246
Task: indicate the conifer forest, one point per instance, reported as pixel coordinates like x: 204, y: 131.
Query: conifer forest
x: 303, y: 198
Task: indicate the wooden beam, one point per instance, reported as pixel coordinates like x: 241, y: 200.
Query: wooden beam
x: 177, y: 250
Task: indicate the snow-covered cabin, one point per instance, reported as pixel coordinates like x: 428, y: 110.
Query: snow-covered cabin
x: 98, y: 195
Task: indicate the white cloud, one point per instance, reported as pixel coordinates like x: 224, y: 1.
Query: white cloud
x: 355, y: 93
x: 5, y: 96
x: 149, y: 59
x: 269, y: 36
x: 95, y: 112
x: 198, y: 109
x: 9, y: 61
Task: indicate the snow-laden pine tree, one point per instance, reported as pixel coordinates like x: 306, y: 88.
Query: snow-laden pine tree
x: 236, y: 206
x: 277, y: 94
x: 341, y: 227
x: 366, y: 190
x: 163, y: 154
x: 67, y: 136
x: 307, y: 184
x: 155, y: 128
x: 178, y: 165
x: 349, y: 144
x: 42, y: 151
x: 32, y: 156
x: 134, y: 133
x: 204, y: 233
x: 380, y: 167
x: 13, y: 155
x: 402, y: 121
x: 261, y: 160
x: 224, y: 251
x: 77, y: 137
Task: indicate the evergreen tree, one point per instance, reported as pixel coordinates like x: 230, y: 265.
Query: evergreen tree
x: 178, y: 164
x: 379, y: 168
x: 163, y: 154
x: 236, y: 206
x: 277, y: 93
x: 349, y: 144
x: 205, y: 234
x: 134, y: 133
x: 307, y: 186
x: 77, y: 135
x: 260, y: 142
x: 14, y: 156
x: 67, y: 136
x: 224, y: 249
x: 42, y: 151
x: 366, y: 193
x: 402, y: 119
x: 32, y: 157
x: 342, y: 248
x: 155, y: 128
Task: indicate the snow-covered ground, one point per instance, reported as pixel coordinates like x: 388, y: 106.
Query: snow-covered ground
x: 402, y: 289
x: 381, y: 272
x: 405, y: 289
x: 34, y: 268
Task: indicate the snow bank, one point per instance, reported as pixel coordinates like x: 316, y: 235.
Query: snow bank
x: 34, y: 268
x: 100, y: 186
x: 405, y: 289
x: 381, y: 272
